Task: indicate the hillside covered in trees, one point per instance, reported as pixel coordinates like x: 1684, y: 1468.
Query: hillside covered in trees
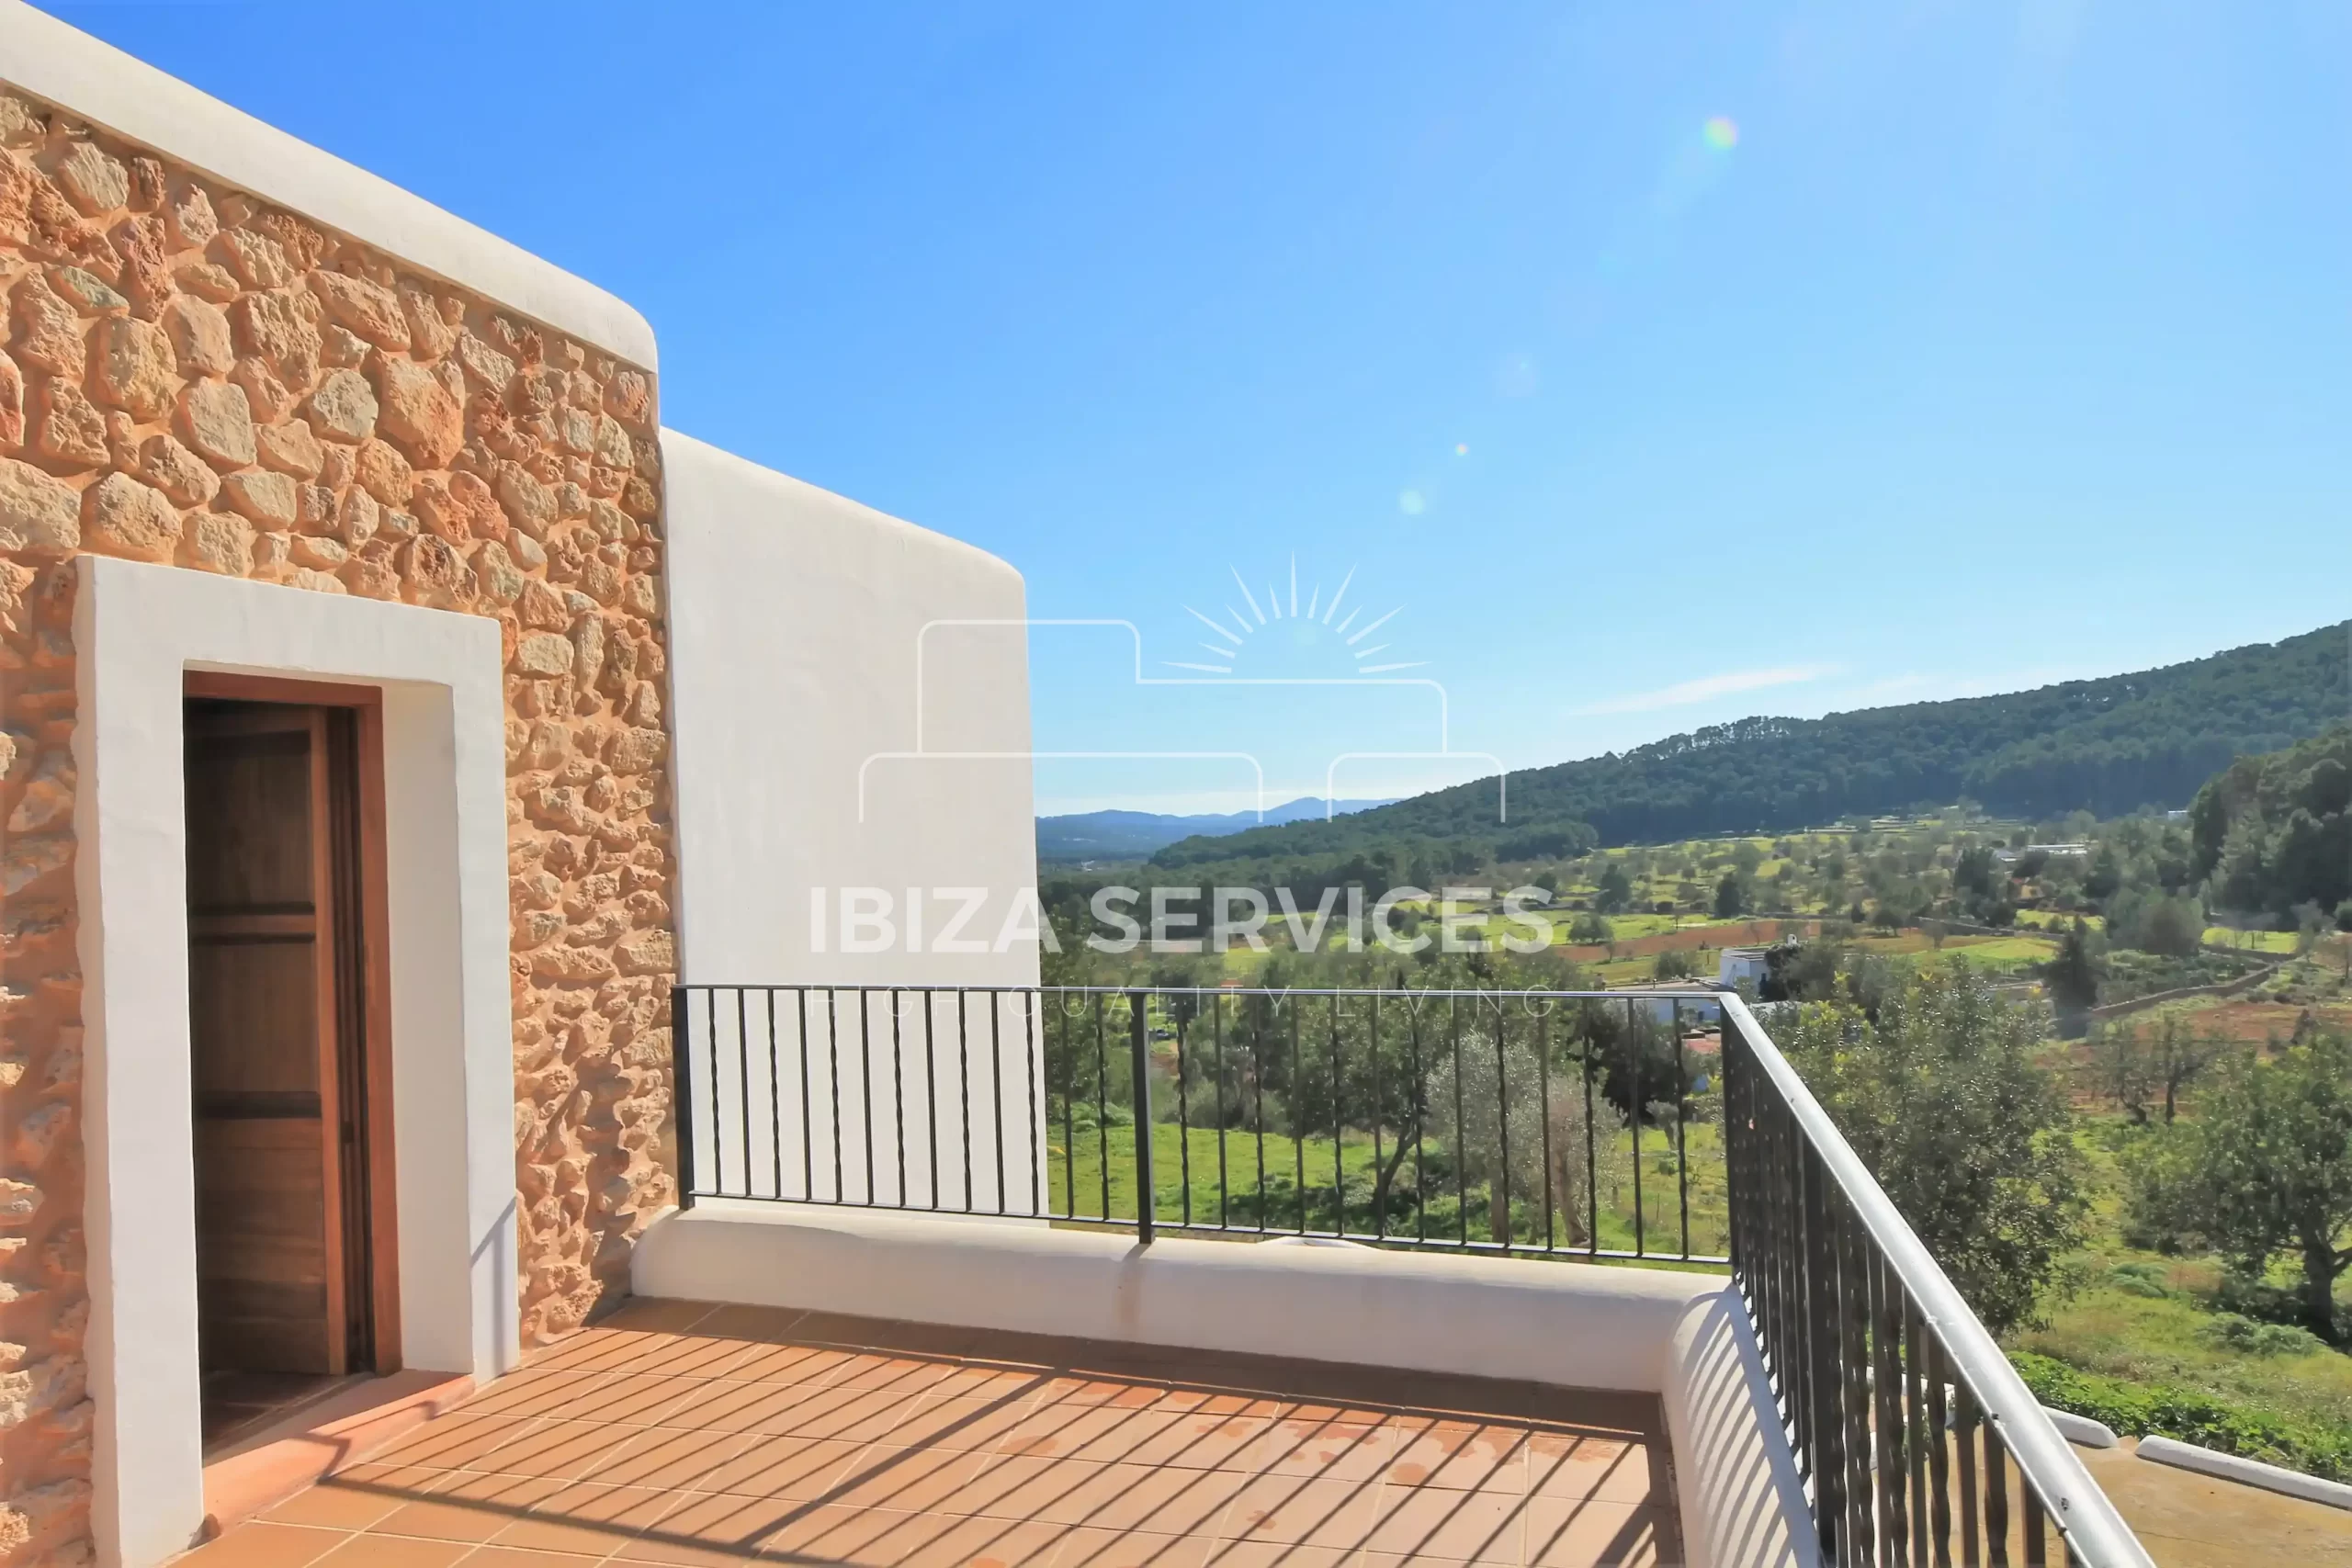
x: 2276, y: 831
x: 2108, y: 746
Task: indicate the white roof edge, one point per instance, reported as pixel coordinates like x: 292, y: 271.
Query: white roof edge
x: 116, y: 92
x: 678, y: 441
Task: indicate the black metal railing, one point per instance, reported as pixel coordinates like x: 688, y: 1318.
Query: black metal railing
x: 1576, y: 1124
x: 1913, y: 1434
x: 1662, y: 1124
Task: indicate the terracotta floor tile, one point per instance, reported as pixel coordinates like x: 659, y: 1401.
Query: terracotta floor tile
x: 1449, y: 1525
x: 453, y: 1440
x: 877, y: 1536
x: 1331, y: 1449
x: 640, y: 1399
x: 684, y: 1435
x: 909, y: 1480
x: 848, y: 1415
x: 705, y: 1531
x: 395, y: 1551
x: 1461, y: 1456
x: 261, y: 1545
x: 665, y: 1457
x: 1600, y: 1467
x: 1562, y: 1533
x: 564, y: 1450
x: 1206, y: 1441
x: 751, y: 1322
x: 1267, y: 1554
x: 438, y: 1519
x: 959, y: 1422
x: 401, y: 1479
x: 1090, y: 1547
x: 335, y: 1506
x: 787, y: 1363
x: 907, y: 1374
x: 1153, y: 1498
x: 602, y: 1350
x: 664, y: 1315
x: 517, y: 1557
x: 587, y: 1517
x: 800, y: 1467
x: 988, y: 1543
x: 1301, y: 1510
x: 535, y: 1392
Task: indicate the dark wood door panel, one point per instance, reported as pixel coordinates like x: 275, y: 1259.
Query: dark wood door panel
x: 262, y: 1029
x: 253, y: 1012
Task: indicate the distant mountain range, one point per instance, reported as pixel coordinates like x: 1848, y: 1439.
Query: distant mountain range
x: 1133, y: 835
x: 2108, y: 746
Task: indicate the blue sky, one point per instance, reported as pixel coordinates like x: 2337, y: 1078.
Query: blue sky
x: 2004, y: 343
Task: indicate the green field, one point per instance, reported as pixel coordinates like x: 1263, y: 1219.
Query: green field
x: 1270, y: 1195
x: 2251, y: 941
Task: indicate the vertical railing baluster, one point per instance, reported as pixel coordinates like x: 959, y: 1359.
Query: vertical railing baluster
x: 808, y: 1137
x: 1338, y: 1133
x: 743, y: 1071
x: 1379, y: 1196
x: 1887, y: 1384
x: 2036, y: 1544
x: 1297, y: 1132
x: 681, y: 1092
x: 996, y: 1087
x: 1138, y: 1037
x: 1681, y: 1147
x: 1915, y: 1406
x: 866, y: 1081
x: 1258, y: 1101
x: 1461, y: 1165
x: 1592, y: 1134
x: 899, y: 1088
x: 833, y: 1079
x: 1223, y: 1181
x: 1938, y: 1453
x: 1418, y: 1089
x: 718, y: 1116
x: 1996, y: 1495
x: 775, y: 1100
x: 1069, y: 1109
x: 1183, y: 1119
x: 1032, y: 1046
x: 1101, y: 1114
x: 1543, y: 1110
x: 1633, y: 1115
x: 1854, y: 1268
x: 1502, y: 1132
x: 1964, y: 1442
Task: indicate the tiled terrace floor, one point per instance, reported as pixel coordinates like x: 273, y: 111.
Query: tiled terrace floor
x: 696, y: 1436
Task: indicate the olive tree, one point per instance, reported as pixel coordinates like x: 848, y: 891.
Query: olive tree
x: 2264, y: 1168
x: 1942, y: 1097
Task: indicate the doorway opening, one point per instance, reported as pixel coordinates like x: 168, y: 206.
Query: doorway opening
x: 291, y: 1096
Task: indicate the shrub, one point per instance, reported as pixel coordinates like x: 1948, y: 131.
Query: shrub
x: 2137, y: 1409
x: 2229, y: 1331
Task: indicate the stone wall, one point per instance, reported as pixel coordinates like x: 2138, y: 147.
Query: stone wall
x: 191, y: 377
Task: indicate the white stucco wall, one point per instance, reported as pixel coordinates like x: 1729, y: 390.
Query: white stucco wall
x: 805, y: 631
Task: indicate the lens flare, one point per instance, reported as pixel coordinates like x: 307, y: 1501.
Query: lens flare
x: 1462, y: 448
x: 1411, y: 502
x: 1722, y: 132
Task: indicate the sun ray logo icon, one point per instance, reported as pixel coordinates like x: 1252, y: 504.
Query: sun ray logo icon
x: 1314, y: 637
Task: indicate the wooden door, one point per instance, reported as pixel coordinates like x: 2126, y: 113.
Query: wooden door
x: 276, y: 1032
